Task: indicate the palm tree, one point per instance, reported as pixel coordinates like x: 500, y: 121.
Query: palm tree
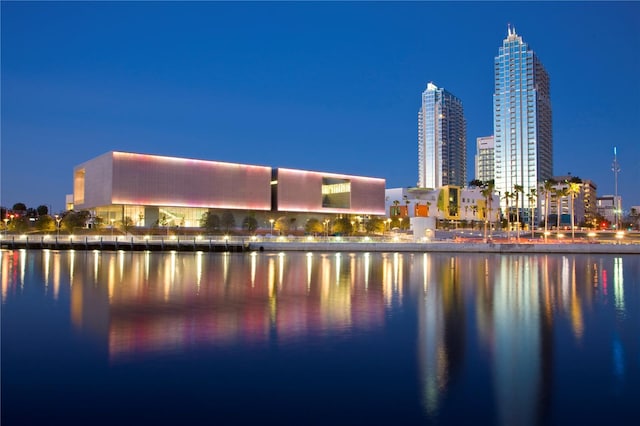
x: 507, y: 196
x: 487, y: 193
x: 547, y: 189
x: 573, y: 190
x: 531, y: 196
x: 560, y: 193
x: 517, y: 190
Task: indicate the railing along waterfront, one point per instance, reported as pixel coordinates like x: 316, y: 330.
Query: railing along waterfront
x: 446, y: 241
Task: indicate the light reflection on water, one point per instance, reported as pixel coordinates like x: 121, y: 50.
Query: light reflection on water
x: 506, y: 326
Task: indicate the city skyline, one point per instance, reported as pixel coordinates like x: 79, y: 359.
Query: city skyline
x: 316, y: 86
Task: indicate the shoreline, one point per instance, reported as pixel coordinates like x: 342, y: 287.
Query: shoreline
x: 452, y: 247
x: 129, y: 243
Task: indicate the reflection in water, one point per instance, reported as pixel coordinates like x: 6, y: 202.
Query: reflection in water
x: 513, y: 308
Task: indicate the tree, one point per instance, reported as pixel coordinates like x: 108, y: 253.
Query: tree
x: 517, y: 190
x: 532, y: 196
x: 507, y: 196
x: 547, y: 189
x: 19, y: 224
x: 127, y: 224
x: 45, y: 223
x: 227, y: 221
x: 573, y: 190
x: 375, y: 225
x: 281, y: 225
x: 395, y: 211
x: 42, y: 210
x: 210, y: 222
x: 73, y: 220
x: 476, y: 183
x: 342, y: 226
x: 250, y: 224
x: 560, y: 193
x: 19, y: 207
x: 487, y: 193
x: 313, y: 226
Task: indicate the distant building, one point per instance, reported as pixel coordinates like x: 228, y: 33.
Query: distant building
x: 606, y: 207
x: 521, y: 118
x: 589, y: 200
x: 442, y: 140
x: 485, y: 159
x: 447, y: 203
x: 154, y: 190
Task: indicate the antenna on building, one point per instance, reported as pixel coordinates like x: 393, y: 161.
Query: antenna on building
x: 615, y: 167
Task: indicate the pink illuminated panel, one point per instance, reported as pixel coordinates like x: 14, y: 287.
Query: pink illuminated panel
x: 165, y: 181
x: 301, y: 191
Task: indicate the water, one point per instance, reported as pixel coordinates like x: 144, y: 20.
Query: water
x: 92, y: 338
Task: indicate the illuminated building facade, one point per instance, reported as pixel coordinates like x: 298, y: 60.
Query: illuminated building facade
x: 485, y: 169
x: 153, y: 190
x: 521, y: 118
x: 442, y: 140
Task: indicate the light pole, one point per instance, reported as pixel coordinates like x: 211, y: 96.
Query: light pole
x: 352, y: 229
x: 6, y: 226
x: 271, y: 222
x: 112, y: 221
x: 326, y: 227
x: 615, y: 167
x: 58, y: 219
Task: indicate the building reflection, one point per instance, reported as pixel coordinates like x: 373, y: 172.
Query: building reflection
x: 512, y: 310
x: 144, y: 304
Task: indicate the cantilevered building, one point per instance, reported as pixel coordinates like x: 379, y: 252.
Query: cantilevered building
x: 442, y: 140
x: 153, y: 190
x: 521, y: 119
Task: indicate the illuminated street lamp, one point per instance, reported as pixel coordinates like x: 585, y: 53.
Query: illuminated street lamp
x: 6, y: 225
x: 389, y: 224
x: 352, y: 228
x: 58, y: 219
x: 112, y: 221
x: 271, y: 222
x: 326, y: 227
x: 400, y: 219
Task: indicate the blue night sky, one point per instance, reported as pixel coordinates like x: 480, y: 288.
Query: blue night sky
x: 327, y: 86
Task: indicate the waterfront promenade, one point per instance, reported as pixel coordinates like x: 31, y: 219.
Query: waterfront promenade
x: 329, y: 244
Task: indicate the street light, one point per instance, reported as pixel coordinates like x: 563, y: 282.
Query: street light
x: 326, y: 227
x: 389, y: 224
x: 352, y: 223
x: 58, y: 219
x: 6, y: 225
x: 271, y: 221
x: 112, y: 221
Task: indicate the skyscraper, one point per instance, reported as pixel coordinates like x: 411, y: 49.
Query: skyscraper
x: 485, y: 169
x: 521, y: 119
x: 442, y: 140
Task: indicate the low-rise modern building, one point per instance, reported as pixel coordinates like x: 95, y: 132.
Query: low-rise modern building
x: 151, y: 190
x: 446, y: 203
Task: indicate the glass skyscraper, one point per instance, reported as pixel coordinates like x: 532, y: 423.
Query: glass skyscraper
x: 521, y: 119
x: 442, y: 140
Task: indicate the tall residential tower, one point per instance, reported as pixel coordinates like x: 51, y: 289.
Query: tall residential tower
x: 442, y: 140
x: 485, y: 169
x: 521, y: 119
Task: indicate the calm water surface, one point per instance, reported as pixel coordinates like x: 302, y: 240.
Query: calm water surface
x: 121, y: 338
